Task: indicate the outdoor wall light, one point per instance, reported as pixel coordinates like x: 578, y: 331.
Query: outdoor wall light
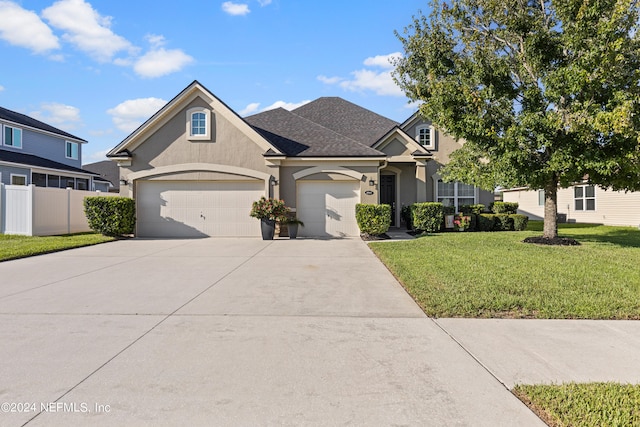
x: 372, y: 183
x: 123, y: 181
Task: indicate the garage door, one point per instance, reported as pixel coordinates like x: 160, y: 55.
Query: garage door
x: 328, y: 208
x: 197, y: 209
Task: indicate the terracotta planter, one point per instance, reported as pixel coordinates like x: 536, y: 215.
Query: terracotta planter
x: 268, y: 228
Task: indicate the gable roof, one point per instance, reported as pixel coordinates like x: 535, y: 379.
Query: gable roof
x: 298, y: 136
x: 108, y: 170
x: 347, y: 118
x: 190, y: 92
x: 41, y: 162
x: 24, y: 120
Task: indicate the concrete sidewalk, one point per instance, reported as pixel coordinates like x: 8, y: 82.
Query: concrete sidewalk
x: 248, y: 332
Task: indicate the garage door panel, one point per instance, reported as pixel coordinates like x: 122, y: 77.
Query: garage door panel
x: 197, y: 209
x: 327, y: 208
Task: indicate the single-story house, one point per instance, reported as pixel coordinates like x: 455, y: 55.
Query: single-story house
x: 195, y: 167
x: 583, y: 203
x: 33, y: 152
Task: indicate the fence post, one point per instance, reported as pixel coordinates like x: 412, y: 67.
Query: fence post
x: 2, y: 208
x: 30, y: 201
x: 68, y: 210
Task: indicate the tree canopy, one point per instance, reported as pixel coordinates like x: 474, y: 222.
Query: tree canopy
x: 544, y: 93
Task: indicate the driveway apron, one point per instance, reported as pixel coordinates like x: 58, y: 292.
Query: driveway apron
x: 232, y: 332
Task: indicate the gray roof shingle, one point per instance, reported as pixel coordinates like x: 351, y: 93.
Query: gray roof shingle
x: 31, y: 160
x: 298, y: 136
x: 347, y: 118
x: 25, y: 120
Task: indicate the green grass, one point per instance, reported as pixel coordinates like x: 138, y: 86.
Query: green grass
x: 497, y: 275
x: 593, y: 404
x: 12, y: 247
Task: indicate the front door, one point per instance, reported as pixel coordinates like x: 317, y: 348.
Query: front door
x: 388, y: 194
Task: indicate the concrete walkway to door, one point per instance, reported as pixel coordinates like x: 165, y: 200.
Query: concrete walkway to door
x: 234, y: 332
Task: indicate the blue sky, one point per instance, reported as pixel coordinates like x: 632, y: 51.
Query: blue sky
x: 99, y: 68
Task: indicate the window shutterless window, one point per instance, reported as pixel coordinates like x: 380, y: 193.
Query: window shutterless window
x: 455, y: 194
x: 39, y: 179
x: 199, y: 124
x: 541, y: 197
x: 425, y: 135
x: 71, y: 150
x: 18, y: 179
x: 584, y: 197
x: 12, y: 137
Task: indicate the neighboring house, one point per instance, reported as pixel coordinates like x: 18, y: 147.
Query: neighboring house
x: 108, y: 171
x: 33, y: 152
x: 195, y: 167
x: 583, y: 203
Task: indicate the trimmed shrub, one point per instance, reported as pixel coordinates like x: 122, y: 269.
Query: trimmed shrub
x: 485, y: 222
x: 472, y: 209
x: 373, y: 219
x: 111, y: 216
x: 502, y: 222
x: 504, y: 208
x: 427, y: 216
x: 520, y: 222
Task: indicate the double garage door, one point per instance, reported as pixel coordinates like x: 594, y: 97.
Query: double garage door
x: 197, y: 209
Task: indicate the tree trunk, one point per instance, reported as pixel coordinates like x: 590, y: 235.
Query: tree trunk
x: 550, y: 230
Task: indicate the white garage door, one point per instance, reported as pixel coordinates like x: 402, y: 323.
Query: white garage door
x: 197, y: 209
x: 328, y: 208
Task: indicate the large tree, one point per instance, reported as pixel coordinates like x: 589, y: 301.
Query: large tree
x: 544, y: 93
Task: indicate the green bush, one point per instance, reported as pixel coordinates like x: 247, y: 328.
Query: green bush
x: 485, y: 222
x: 520, y: 222
x: 428, y: 216
x: 502, y: 222
x: 111, y: 216
x: 504, y: 208
x: 373, y: 219
x: 472, y: 209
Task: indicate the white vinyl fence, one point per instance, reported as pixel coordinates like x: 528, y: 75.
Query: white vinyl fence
x: 42, y: 211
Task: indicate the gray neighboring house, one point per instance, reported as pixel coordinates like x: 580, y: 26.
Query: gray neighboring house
x: 106, y: 170
x: 195, y: 167
x: 33, y: 152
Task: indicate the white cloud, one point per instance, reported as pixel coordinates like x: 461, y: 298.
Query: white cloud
x: 86, y: 29
x: 250, y: 109
x: 59, y: 115
x: 235, y: 9
x: 155, y: 40
x: 97, y: 156
x: 264, y: 3
x: 382, y: 61
x: 21, y: 27
x: 367, y: 79
x: 160, y: 62
x: 1, y: 88
x: 255, y: 106
x: 130, y: 114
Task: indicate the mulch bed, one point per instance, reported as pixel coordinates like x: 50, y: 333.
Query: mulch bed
x: 371, y: 237
x: 559, y: 241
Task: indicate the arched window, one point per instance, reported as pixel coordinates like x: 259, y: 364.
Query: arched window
x: 199, y: 124
x: 426, y: 136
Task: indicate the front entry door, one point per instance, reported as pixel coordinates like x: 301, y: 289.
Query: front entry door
x: 388, y: 194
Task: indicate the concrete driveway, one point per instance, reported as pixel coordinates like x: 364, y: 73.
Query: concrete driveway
x: 237, y: 332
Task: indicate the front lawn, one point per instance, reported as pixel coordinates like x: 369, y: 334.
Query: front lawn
x: 12, y: 246
x: 494, y: 274
x: 595, y: 404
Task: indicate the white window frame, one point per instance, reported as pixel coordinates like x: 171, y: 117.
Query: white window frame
x: 207, y: 118
x: 4, y: 139
x: 432, y: 136
x: 66, y: 150
x: 17, y: 175
x: 456, y: 197
x: 584, y: 198
x: 541, y: 197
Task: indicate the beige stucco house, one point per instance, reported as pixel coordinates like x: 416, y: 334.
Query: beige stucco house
x: 195, y: 167
x: 582, y: 203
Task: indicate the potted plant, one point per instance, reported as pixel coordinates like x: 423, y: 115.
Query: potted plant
x: 292, y: 224
x: 268, y: 211
x: 462, y: 222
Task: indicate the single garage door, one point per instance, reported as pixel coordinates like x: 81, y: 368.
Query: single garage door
x: 328, y: 208
x: 197, y: 209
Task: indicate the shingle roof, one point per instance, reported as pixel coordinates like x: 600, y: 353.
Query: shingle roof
x: 347, y: 118
x: 41, y: 162
x: 295, y: 135
x: 107, y: 169
x: 24, y: 120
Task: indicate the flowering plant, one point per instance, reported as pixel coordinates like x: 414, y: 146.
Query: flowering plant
x: 272, y: 209
x: 461, y: 222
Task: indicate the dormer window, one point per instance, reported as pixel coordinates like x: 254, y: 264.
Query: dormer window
x: 12, y: 137
x: 426, y: 136
x: 199, y: 124
x: 71, y: 150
